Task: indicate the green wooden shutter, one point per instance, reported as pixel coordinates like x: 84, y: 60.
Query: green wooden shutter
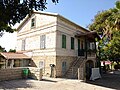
x: 33, y: 22
x: 78, y: 44
x: 63, y: 41
x: 72, y: 43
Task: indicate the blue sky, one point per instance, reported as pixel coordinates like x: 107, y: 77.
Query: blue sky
x: 79, y: 11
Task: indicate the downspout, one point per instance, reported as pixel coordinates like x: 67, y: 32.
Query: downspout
x: 86, y: 47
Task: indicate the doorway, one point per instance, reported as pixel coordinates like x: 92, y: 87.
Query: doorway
x: 88, y: 66
x: 80, y: 48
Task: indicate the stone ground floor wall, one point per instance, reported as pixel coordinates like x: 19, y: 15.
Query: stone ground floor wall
x: 44, y: 62
x: 60, y: 67
x: 57, y: 61
x: 69, y: 59
x: 61, y: 64
x: 17, y: 73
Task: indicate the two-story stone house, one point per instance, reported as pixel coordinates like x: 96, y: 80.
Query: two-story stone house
x: 56, y: 44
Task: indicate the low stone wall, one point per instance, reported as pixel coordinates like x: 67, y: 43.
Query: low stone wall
x: 16, y: 73
x: 9, y: 74
x: 35, y: 73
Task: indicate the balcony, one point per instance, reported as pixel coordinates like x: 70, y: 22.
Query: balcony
x: 90, y: 53
x: 81, y: 52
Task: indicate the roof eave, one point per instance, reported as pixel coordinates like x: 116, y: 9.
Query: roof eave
x: 51, y: 14
x: 4, y: 56
x: 73, y: 23
x: 27, y: 17
x: 89, y: 33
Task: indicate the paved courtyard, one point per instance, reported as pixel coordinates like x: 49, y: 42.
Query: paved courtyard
x: 108, y: 82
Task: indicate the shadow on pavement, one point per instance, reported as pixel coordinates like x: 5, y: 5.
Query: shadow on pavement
x: 49, y: 80
x: 108, y: 80
x: 13, y: 84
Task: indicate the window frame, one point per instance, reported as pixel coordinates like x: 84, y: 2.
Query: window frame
x: 33, y: 22
x: 72, y: 43
x: 23, y: 44
x: 42, y: 41
x: 63, y: 41
x: 82, y: 44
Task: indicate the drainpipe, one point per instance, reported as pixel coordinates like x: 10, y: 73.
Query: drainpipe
x: 95, y: 54
x: 86, y: 47
x: 95, y: 47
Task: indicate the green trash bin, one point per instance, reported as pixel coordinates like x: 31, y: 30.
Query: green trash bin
x: 25, y: 73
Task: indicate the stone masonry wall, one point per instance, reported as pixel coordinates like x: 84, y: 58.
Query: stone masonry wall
x: 9, y: 74
x: 16, y: 73
x: 59, y: 60
x: 35, y: 73
x: 47, y: 60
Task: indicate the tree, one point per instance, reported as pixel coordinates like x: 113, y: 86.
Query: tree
x: 118, y: 4
x: 107, y: 24
x: 13, y: 11
x: 12, y: 50
x: 2, y: 49
x: 115, y: 45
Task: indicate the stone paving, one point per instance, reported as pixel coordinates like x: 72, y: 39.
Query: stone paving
x: 108, y: 82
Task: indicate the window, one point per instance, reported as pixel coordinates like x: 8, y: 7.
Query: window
x: 78, y: 44
x: 72, y: 43
x: 42, y: 42
x: 25, y: 63
x: 88, y: 45
x: 82, y: 45
x: 63, y: 41
x: 23, y: 44
x: 33, y: 22
x: 92, y: 45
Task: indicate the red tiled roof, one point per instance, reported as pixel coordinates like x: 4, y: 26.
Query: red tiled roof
x: 14, y: 56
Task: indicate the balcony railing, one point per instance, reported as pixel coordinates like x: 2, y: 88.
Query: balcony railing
x: 90, y: 53
x: 81, y: 52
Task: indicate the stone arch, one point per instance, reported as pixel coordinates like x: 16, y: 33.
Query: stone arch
x: 89, y: 64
